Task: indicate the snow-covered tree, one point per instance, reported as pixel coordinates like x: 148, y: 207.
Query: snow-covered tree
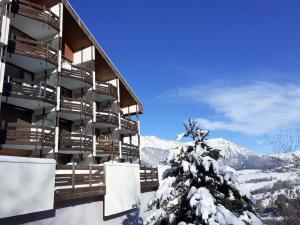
x: 199, y: 189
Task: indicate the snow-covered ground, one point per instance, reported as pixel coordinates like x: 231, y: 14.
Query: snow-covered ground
x: 267, y: 185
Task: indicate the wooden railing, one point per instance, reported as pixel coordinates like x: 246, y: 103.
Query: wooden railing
x: 73, y: 182
x: 107, y: 148
x: 149, y: 178
x: 107, y: 117
x: 76, y: 105
x: 29, y: 134
x: 129, y: 124
x: 30, y: 90
x: 31, y: 48
x: 77, y: 73
x: 75, y: 142
x: 130, y: 151
x: 106, y: 89
x: 36, y: 12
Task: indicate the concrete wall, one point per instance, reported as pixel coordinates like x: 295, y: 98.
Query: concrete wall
x: 90, y: 212
x: 122, y: 204
x: 26, y: 185
x: 122, y: 182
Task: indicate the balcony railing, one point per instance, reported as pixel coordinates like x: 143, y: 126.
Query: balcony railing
x: 77, y: 73
x: 73, y: 182
x: 106, y: 89
x: 36, y: 12
x: 75, y: 142
x: 29, y: 134
x: 107, y: 148
x: 30, y: 90
x: 107, y: 117
x: 129, y: 124
x: 149, y: 178
x: 31, y: 48
x: 76, y: 105
x: 130, y: 151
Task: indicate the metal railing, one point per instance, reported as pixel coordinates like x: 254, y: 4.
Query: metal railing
x: 76, y: 105
x: 75, y: 142
x: 30, y: 134
x: 73, y: 182
x: 107, y: 117
x: 130, y: 151
x: 77, y: 73
x: 107, y: 148
x: 31, y: 48
x: 36, y: 12
x: 106, y: 89
x: 129, y: 124
x: 30, y: 90
x: 149, y: 178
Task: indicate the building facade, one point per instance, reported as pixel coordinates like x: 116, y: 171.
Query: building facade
x: 61, y: 96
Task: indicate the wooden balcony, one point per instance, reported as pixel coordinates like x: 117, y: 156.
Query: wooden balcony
x: 29, y: 134
x: 76, y: 106
x: 130, y: 151
x: 73, y: 182
x: 75, y: 142
x: 129, y: 124
x: 78, y: 74
x: 107, y: 118
x: 36, y: 12
x: 106, y: 89
x: 30, y: 90
x: 31, y: 48
x: 107, y: 148
x: 149, y: 179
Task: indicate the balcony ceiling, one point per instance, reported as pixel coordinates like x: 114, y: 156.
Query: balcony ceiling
x: 73, y: 33
x: 103, y: 70
x: 126, y: 98
x: 47, y: 3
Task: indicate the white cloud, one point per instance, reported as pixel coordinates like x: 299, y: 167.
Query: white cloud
x: 253, y: 109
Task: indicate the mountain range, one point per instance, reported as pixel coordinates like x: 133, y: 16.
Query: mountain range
x: 154, y: 151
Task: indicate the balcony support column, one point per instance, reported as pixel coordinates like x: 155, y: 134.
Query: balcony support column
x: 139, y: 131
x: 93, y: 56
x: 4, y: 28
x: 58, y: 90
x: 119, y: 117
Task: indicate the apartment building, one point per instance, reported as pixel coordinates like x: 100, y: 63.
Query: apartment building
x: 61, y: 96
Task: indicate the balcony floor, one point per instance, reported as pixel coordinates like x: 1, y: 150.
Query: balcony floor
x: 29, y: 63
x: 126, y: 131
x: 102, y: 97
x: 25, y: 147
x: 73, y: 116
x: 33, y: 104
x: 105, y: 125
x: 73, y: 84
x: 34, y: 28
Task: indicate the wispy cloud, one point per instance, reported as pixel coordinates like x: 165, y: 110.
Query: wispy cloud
x: 254, y: 109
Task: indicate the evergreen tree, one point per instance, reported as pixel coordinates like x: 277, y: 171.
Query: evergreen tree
x: 199, y: 189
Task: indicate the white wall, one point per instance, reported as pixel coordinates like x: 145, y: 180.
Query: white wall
x: 26, y: 185
x: 122, y: 187
x: 91, y: 213
x: 84, y: 55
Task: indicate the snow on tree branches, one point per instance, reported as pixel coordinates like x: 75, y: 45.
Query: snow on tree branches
x: 199, y: 188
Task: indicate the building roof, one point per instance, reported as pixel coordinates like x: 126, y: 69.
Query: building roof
x: 129, y: 102
x: 128, y: 97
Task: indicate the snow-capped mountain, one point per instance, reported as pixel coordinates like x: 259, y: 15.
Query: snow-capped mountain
x: 155, y: 151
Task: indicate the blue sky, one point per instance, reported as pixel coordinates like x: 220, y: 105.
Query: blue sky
x: 233, y: 64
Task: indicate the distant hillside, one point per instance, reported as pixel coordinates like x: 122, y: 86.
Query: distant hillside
x: 155, y: 151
